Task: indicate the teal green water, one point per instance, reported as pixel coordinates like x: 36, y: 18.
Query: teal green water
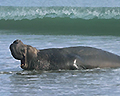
x: 60, y: 20
x: 63, y: 26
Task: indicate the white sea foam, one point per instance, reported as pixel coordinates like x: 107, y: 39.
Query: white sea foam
x: 19, y: 13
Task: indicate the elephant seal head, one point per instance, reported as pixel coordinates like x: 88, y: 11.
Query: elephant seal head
x: 26, y: 53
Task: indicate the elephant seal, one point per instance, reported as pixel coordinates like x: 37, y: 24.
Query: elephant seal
x: 70, y: 58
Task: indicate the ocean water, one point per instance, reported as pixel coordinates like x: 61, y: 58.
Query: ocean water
x: 57, y: 24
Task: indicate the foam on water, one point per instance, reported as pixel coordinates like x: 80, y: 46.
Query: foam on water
x: 19, y: 13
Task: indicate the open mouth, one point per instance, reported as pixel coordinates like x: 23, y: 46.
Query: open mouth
x: 23, y: 61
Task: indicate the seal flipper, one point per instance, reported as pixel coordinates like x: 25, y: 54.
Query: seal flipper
x: 78, y: 63
x: 75, y: 65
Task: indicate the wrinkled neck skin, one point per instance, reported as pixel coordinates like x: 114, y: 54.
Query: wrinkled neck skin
x: 30, y: 57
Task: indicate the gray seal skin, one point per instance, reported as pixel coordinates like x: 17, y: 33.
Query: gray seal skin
x: 70, y: 58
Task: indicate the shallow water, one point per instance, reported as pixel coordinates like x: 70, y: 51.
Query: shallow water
x: 62, y: 83
x: 94, y: 82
